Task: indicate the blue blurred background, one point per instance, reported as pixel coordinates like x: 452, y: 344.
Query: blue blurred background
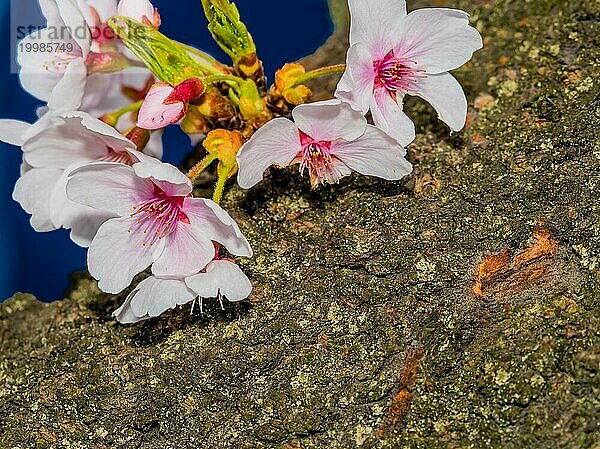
x: 42, y: 263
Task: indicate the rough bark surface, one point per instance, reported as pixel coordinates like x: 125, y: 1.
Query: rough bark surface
x: 457, y: 309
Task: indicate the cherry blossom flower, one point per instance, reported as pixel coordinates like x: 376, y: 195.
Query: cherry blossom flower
x: 74, y: 72
x: 52, y: 148
x: 329, y: 140
x: 41, y: 71
x: 393, y: 53
x: 154, y: 296
x: 166, y: 104
x: 158, y: 223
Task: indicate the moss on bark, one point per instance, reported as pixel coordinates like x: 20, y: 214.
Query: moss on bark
x: 457, y: 309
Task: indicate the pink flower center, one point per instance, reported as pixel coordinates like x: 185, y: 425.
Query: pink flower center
x: 316, y: 157
x: 61, y: 60
x: 101, y: 32
x: 397, y: 74
x: 159, y: 216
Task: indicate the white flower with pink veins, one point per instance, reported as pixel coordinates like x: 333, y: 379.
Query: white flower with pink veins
x: 52, y: 148
x: 158, y: 223
x: 222, y: 278
x: 393, y: 54
x: 69, y: 64
x: 329, y: 140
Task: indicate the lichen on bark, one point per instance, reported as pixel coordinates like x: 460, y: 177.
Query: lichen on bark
x: 457, y: 309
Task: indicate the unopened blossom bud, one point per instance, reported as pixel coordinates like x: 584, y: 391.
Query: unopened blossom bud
x: 106, y: 62
x: 225, y: 145
x: 285, y: 84
x: 190, y: 90
x: 166, y: 104
x: 251, y: 103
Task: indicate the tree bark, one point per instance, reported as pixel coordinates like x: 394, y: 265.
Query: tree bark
x: 456, y: 309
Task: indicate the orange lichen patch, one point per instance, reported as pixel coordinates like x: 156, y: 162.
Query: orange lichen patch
x: 511, y: 75
x: 503, y: 60
x: 483, y: 100
x: 427, y: 186
x: 490, y: 267
x: 500, y: 274
x: 545, y: 245
x: 478, y: 140
x: 294, y: 444
x: 402, y: 401
x: 573, y: 77
x: 294, y: 215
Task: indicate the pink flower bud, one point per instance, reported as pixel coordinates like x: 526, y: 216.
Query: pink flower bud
x: 165, y: 104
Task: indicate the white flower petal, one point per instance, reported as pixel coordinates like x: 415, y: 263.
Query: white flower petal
x: 217, y: 225
x: 108, y: 187
x: 276, y: 143
x: 38, y: 74
x: 446, y: 95
x: 326, y: 121
x: 98, y: 87
x: 372, y: 21
x: 67, y: 95
x: 437, y: 39
x: 222, y: 278
x: 116, y: 255
x: 50, y: 11
x: 151, y: 298
x: 76, y: 23
x: 356, y: 85
x: 109, y: 135
x: 154, y: 148
x: 61, y: 141
x: 125, y: 315
x: 172, y: 181
x: 83, y: 221
x: 187, y: 251
x: 105, y: 9
x: 389, y: 116
x: 374, y: 154
x: 14, y: 132
x: 155, y: 296
x: 136, y: 9
x: 31, y: 193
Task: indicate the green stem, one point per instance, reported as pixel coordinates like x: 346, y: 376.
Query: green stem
x: 323, y: 71
x: 222, y: 78
x: 113, y: 117
x: 197, y: 169
x: 220, y: 188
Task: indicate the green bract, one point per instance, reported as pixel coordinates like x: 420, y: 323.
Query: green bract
x: 168, y: 60
x: 227, y: 29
